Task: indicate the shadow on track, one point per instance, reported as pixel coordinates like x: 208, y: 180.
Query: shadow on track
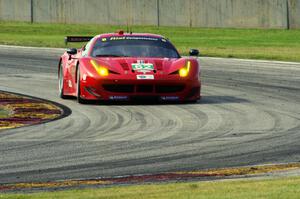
x: 213, y: 99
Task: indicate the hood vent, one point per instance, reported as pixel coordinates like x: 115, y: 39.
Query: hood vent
x: 124, y: 66
x: 159, y: 65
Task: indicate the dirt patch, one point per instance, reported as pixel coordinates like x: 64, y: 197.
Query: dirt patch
x: 154, y: 178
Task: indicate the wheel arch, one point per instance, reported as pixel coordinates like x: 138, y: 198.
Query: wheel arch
x: 76, y: 71
x: 59, y: 63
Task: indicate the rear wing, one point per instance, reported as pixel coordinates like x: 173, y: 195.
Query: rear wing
x: 77, y: 39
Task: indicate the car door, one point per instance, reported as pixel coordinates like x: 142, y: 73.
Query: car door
x: 71, y: 71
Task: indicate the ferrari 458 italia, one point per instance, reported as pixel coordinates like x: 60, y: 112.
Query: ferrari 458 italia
x: 124, y: 66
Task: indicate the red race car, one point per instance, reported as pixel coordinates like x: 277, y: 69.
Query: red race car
x: 123, y: 66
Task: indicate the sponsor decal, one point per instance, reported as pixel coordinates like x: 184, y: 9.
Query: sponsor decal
x: 133, y: 38
x: 145, y: 76
x: 118, y: 97
x: 84, y: 77
x: 117, y: 38
x: 142, y: 67
x: 104, y: 40
x: 70, y: 83
x: 169, y: 98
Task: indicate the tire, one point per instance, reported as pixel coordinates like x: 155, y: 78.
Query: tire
x: 79, y: 99
x: 61, y: 82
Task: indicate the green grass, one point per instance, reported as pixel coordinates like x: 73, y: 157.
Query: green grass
x: 286, y: 188
x: 239, y: 43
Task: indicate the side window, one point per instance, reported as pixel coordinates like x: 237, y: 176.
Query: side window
x: 87, y: 47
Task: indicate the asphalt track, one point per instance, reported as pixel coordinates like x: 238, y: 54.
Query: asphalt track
x: 249, y: 115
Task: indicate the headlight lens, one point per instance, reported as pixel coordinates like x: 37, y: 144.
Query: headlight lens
x: 183, y: 72
x: 102, y: 71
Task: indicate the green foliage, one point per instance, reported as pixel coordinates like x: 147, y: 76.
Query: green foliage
x: 239, y: 43
x: 288, y: 188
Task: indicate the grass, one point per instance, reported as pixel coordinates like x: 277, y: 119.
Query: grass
x: 287, y: 188
x: 239, y: 43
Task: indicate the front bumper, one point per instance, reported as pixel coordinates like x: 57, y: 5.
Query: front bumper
x: 125, y: 90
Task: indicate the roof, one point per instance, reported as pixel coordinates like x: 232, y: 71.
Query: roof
x: 118, y: 34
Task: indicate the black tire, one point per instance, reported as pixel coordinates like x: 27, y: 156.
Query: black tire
x: 79, y: 99
x: 61, y: 82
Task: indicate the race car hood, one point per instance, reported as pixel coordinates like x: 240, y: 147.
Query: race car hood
x: 160, y: 65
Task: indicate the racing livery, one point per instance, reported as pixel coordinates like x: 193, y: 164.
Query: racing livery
x: 123, y: 66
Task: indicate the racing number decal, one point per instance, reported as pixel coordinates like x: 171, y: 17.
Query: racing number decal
x: 141, y: 66
x: 138, y: 67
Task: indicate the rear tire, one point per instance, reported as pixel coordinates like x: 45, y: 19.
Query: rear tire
x: 79, y: 99
x: 61, y: 82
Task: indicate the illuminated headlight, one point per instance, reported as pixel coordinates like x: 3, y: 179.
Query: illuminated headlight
x: 183, y: 72
x: 101, y: 70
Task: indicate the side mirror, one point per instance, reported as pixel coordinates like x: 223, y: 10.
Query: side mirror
x: 72, y: 51
x: 194, y: 52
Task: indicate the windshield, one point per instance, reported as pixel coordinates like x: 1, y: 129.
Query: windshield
x: 133, y: 46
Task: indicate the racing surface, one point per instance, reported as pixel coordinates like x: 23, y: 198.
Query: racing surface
x: 249, y: 114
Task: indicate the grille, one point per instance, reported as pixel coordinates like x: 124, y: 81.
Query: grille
x: 130, y: 88
x: 119, y: 88
x: 169, y: 88
x: 144, y: 88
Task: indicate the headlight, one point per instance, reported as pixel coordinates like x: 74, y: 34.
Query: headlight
x: 183, y: 72
x: 102, y: 71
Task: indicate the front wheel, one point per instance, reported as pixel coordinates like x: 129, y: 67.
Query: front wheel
x: 79, y: 99
x: 61, y: 82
